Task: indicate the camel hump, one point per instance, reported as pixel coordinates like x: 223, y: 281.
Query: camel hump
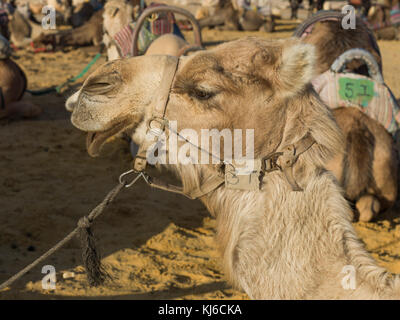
x: 12, y: 81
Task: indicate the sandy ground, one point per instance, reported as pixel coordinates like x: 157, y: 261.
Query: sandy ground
x: 156, y: 245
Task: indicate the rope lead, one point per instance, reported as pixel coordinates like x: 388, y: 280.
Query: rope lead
x: 58, y: 88
x: 91, y: 257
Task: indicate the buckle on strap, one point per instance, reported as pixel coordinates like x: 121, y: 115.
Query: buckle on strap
x: 156, y: 126
x: 269, y: 162
x: 139, y: 164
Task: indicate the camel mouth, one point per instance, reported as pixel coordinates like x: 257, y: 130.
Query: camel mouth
x: 95, y: 140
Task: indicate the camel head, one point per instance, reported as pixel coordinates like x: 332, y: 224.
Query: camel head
x: 110, y: 101
x: 248, y: 84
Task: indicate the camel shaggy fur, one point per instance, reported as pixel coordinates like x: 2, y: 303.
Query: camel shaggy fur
x: 276, y: 243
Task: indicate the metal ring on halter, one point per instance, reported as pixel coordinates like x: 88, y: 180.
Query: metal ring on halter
x: 127, y: 185
x: 158, y: 129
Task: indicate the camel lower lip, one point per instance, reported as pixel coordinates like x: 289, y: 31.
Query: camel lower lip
x: 95, y: 140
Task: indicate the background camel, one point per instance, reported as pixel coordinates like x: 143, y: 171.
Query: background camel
x: 368, y: 171
x: 384, y: 19
x: 229, y: 16
x: 12, y: 87
x: 275, y: 242
x: 75, y: 13
x: 23, y: 31
x: 90, y: 33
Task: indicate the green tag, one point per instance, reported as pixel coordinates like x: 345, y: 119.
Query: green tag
x: 359, y: 91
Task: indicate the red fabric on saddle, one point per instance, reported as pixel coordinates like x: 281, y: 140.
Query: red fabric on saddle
x: 356, y: 2
x: 164, y: 23
x: 124, y: 39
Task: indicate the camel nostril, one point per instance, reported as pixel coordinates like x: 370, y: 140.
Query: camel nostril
x: 70, y: 106
x: 71, y: 102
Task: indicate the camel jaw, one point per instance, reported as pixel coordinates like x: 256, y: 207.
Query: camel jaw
x: 95, y: 140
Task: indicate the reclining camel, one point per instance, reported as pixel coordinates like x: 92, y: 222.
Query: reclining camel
x: 90, y: 33
x: 368, y: 171
x: 13, y: 84
x: 276, y: 243
x: 228, y: 16
x: 67, y: 11
x: 23, y: 31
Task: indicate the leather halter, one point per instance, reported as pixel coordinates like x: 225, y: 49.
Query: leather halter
x: 282, y: 161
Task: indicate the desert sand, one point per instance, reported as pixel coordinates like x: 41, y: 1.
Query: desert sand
x: 156, y: 245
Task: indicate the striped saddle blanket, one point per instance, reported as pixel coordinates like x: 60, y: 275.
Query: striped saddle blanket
x: 394, y: 20
x: 152, y: 28
x: 354, y: 90
x: 395, y: 15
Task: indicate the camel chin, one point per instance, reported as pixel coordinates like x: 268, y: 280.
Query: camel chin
x: 109, y: 102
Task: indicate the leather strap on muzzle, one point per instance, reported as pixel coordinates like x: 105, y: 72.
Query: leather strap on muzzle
x: 157, y: 123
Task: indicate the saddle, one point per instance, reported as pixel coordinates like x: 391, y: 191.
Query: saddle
x: 154, y: 27
x: 339, y: 88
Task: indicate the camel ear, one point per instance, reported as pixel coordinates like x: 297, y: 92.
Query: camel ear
x: 297, y: 67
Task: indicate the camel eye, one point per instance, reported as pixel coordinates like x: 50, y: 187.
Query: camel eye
x: 202, y: 94
x: 98, y: 87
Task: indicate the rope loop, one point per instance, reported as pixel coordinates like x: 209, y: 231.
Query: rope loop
x: 84, y: 223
